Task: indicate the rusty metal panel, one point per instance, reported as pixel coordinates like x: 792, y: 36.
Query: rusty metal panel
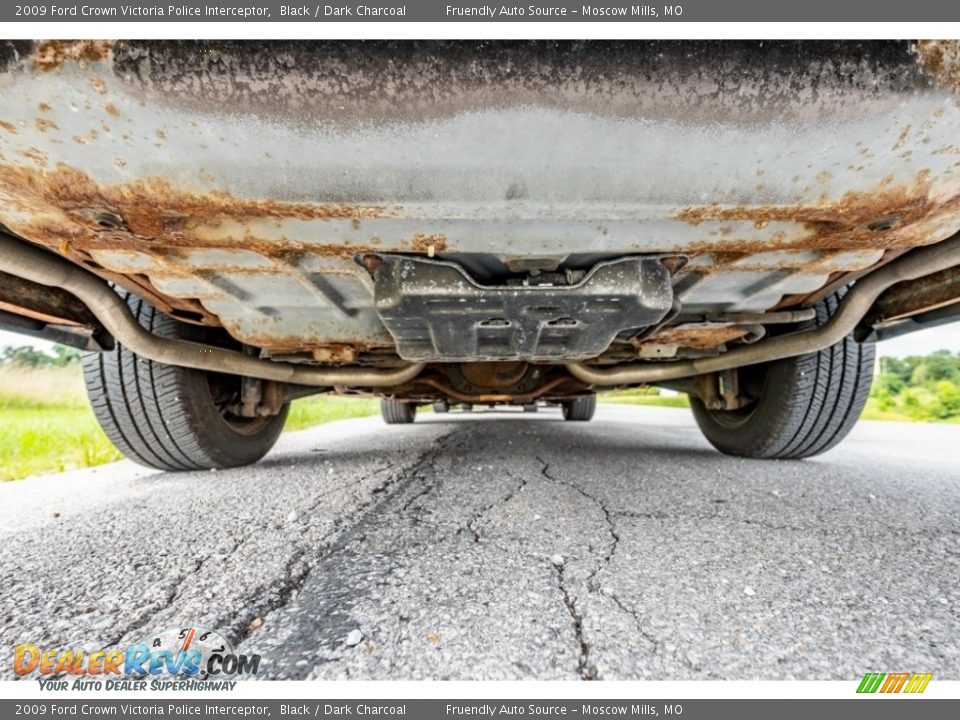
x: 246, y: 176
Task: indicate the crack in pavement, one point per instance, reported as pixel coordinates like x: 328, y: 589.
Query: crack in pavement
x: 592, y: 584
x: 143, y: 618
x: 585, y: 669
x: 644, y: 633
x: 607, y: 514
x: 295, y: 571
x: 417, y: 472
x: 589, y: 671
x: 477, y: 516
x: 332, y: 543
x: 283, y: 589
x: 370, y: 582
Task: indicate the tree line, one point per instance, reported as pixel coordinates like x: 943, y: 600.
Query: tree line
x: 922, y: 387
x: 29, y: 356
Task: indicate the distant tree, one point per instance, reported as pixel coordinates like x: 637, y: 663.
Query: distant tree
x: 29, y: 356
x: 66, y: 355
x: 923, y: 387
x: 941, y: 365
x: 23, y: 355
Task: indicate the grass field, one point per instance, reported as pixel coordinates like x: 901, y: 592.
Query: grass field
x: 318, y: 410
x: 46, y: 424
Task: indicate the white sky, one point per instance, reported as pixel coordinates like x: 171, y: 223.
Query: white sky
x: 924, y: 342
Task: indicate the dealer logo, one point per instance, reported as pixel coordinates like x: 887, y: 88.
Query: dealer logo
x: 188, y: 652
x: 887, y: 683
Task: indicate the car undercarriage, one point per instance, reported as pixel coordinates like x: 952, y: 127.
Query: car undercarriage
x: 480, y: 222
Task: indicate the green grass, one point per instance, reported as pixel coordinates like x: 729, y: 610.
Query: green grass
x: 644, y: 396
x: 46, y: 424
x: 36, y: 441
x: 321, y: 409
x: 875, y: 411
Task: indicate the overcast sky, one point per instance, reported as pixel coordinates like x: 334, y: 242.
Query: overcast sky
x: 945, y: 337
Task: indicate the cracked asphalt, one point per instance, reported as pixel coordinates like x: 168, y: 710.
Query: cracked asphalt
x: 509, y: 546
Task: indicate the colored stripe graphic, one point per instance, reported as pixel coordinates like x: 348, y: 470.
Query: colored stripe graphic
x: 918, y: 682
x: 894, y: 682
x: 870, y: 682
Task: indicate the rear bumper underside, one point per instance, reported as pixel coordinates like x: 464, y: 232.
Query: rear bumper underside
x: 235, y: 184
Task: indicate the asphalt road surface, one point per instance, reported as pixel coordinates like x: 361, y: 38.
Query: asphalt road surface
x: 510, y: 546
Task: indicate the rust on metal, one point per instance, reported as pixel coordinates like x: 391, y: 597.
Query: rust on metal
x: 836, y: 281
x: 701, y: 337
x: 941, y: 60
x: 885, y: 218
x: 73, y: 215
x: 152, y: 207
x: 917, y: 296
x: 366, y: 110
x: 283, y: 347
x: 47, y: 304
x: 339, y: 354
x: 185, y: 309
x: 827, y: 264
x: 429, y: 243
x: 400, y: 80
x: 519, y: 398
x: 52, y: 54
x: 493, y: 374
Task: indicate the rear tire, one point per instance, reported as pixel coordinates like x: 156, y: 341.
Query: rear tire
x: 807, y: 404
x: 395, y: 412
x: 173, y: 418
x: 579, y: 409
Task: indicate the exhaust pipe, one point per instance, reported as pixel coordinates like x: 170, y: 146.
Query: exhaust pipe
x: 855, y: 305
x: 32, y: 263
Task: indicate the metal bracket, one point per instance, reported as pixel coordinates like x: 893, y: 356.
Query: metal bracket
x: 437, y: 312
